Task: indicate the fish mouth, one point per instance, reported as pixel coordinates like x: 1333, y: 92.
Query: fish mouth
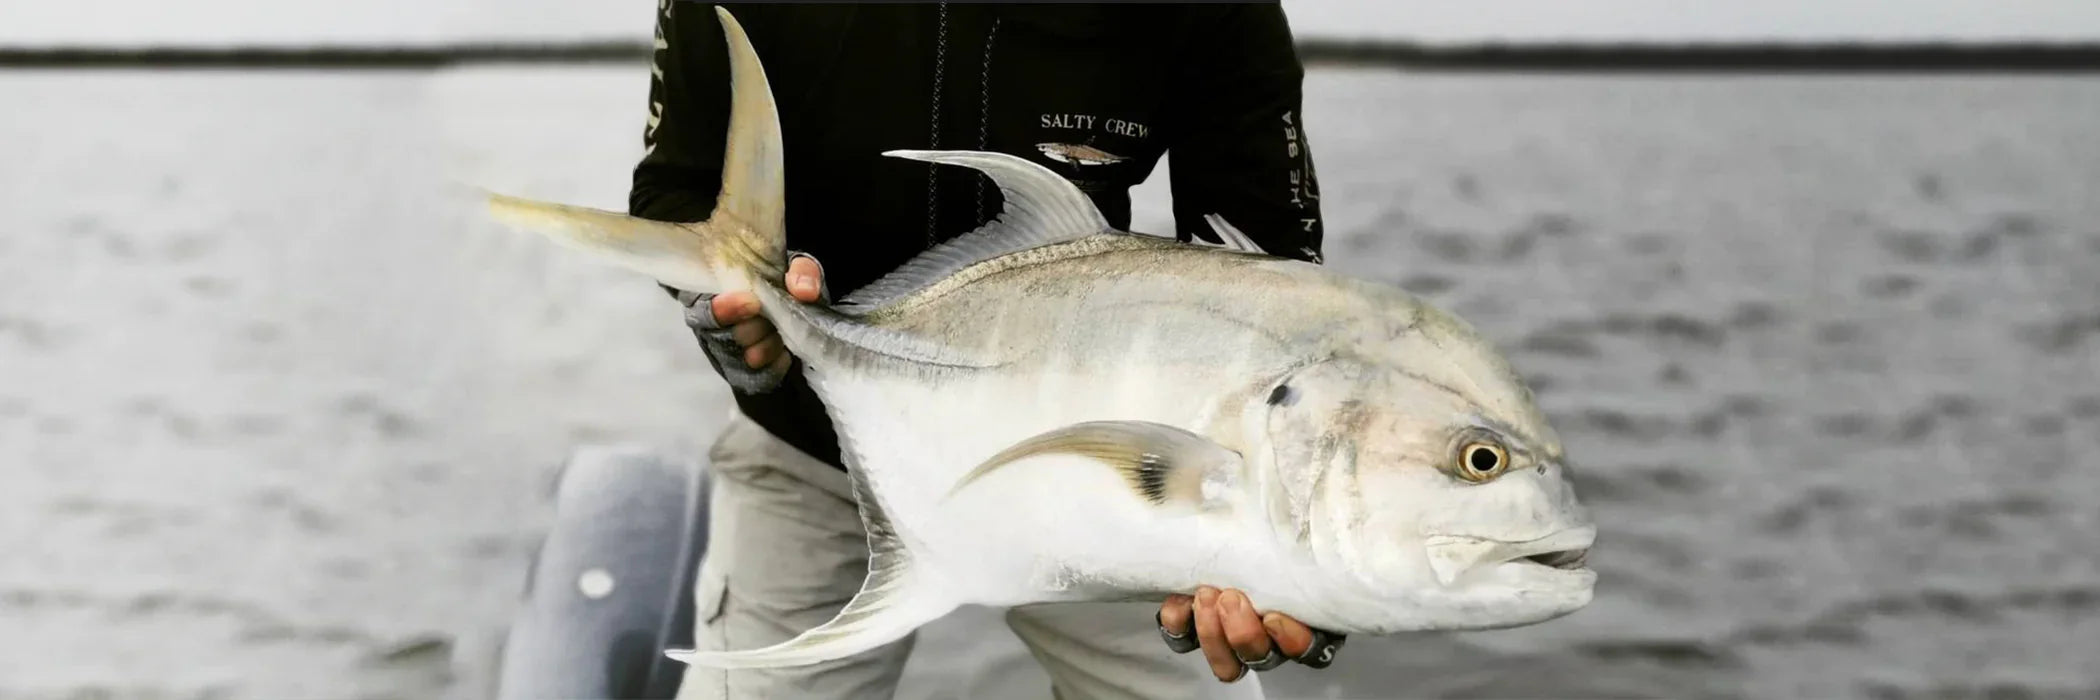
x: 1566, y: 551
x: 1566, y: 559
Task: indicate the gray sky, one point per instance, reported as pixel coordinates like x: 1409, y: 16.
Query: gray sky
x: 45, y: 22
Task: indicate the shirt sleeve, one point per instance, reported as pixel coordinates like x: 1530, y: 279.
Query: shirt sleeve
x: 1240, y: 149
x: 680, y: 173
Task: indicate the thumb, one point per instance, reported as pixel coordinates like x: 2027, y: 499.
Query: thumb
x: 805, y: 278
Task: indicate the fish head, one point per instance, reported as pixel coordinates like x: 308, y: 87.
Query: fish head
x: 1434, y: 483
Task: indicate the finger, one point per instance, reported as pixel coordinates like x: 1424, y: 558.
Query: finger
x: 1292, y: 637
x: 750, y: 332
x: 1175, y: 618
x: 764, y: 353
x: 1243, y: 628
x: 1210, y: 632
x: 805, y: 279
x: 734, y: 307
x: 780, y: 364
x: 1176, y: 614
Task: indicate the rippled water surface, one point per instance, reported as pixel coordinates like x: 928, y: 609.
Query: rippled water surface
x: 278, y: 411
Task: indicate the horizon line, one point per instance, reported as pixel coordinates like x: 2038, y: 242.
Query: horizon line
x: 1632, y: 55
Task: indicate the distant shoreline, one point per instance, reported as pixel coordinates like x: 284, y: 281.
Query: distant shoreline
x: 1569, y: 57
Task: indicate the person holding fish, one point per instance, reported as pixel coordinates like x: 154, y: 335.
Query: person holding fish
x: 1096, y: 93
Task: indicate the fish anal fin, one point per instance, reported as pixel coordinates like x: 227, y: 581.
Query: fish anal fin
x: 896, y: 598
x: 1162, y: 464
x: 890, y: 605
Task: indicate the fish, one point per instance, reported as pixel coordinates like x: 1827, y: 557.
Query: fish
x: 1049, y: 410
x: 1077, y: 154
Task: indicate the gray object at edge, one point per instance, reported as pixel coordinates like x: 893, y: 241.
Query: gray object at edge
x: 609, y: 589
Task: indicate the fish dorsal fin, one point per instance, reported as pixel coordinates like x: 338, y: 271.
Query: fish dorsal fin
x: 1041, y: 209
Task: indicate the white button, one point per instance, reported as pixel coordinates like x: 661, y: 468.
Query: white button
x: 595, y: 583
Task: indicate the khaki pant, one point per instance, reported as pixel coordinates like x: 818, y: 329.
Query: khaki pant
x: 786, y: 551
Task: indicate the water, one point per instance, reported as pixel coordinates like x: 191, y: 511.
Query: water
x: 278, y: 410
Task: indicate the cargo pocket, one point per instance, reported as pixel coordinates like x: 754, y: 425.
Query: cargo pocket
x: 710, y: 601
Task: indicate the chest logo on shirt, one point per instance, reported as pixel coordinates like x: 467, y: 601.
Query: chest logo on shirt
x: 1077, y: 155
x: 1085, y: 152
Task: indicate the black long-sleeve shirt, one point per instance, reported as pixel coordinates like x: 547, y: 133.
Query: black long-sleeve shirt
x: 1095, y: 92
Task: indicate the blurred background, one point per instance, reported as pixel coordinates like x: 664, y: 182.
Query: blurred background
x: 280, y: 412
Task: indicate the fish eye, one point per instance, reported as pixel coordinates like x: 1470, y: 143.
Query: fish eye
x: 1480, y: 461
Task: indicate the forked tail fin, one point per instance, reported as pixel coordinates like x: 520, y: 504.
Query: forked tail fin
x: 744, y: 239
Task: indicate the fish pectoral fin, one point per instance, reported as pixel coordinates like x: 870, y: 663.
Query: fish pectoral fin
x: 1161, y: 463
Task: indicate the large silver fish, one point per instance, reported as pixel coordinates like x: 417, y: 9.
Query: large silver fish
x: 1049, y: 410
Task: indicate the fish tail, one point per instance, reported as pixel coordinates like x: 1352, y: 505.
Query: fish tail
x: 743, y: 241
